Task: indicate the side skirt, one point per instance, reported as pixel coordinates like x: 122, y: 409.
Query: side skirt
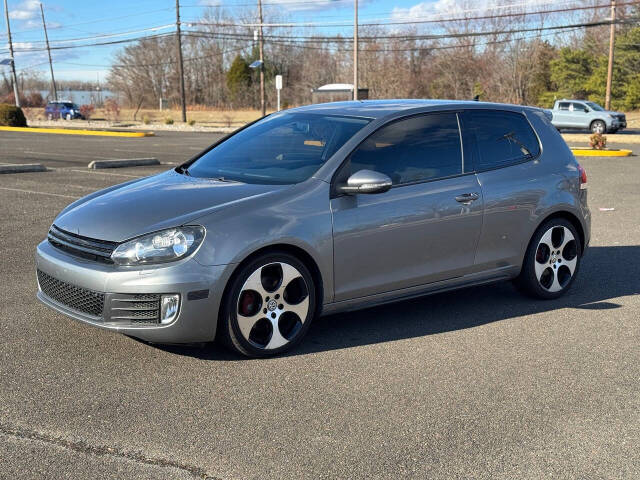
x: 497, y: 275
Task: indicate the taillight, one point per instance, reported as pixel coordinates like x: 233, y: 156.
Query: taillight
x: 583, y: 177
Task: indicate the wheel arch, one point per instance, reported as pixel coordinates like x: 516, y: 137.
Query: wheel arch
x: 570, y: 217
x: 294, y: 250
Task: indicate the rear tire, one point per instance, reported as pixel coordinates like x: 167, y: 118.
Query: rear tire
x: 552, y: 260
x: 269, y: 306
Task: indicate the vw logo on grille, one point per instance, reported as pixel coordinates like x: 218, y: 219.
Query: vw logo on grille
x: 272, y: 305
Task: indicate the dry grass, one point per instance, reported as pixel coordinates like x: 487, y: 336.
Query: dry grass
x: 213, y: 118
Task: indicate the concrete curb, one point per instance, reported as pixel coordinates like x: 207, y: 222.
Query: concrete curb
x: 132, y: 162
x: 588, y: 152
x: 64, y: 131
x: 22, y: 168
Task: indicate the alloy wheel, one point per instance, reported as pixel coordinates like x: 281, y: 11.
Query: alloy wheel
x: 598, y: 127
x: 556, y: 259
x: 272, y: 306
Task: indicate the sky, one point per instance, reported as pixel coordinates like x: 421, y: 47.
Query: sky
x: 112, y: 19
x: 70, y: 19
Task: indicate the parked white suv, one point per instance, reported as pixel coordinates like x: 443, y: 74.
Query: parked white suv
x: 582, y: 114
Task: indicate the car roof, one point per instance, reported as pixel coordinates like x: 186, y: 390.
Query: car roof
x: 382, y: 108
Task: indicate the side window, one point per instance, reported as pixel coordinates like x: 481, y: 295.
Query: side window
x: 579, y: 107
x: 419, y: 148
x: 503, y: 138
x: 563, y: 106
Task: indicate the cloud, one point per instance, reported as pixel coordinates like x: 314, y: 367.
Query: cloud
x: 297, y: 5
x: 442, y: 8
x: 26, y: 10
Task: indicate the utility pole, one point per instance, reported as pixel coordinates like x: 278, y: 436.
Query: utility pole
x: 13, y: 63
x: 261, y: 48
x: 46, y: 38
x: 355, y: 50
x: 180, y: 64
x: 612, y: 41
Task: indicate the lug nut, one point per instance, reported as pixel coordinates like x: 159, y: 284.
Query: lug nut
x: 273, y: 315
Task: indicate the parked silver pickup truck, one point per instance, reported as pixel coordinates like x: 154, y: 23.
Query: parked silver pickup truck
x: 582, y: 114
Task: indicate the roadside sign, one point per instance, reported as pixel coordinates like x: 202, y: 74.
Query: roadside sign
x: 279, y: 82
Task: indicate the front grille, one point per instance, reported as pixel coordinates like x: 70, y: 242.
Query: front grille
x: 81, y: 299
x: 138, y: 308
x: 79, y: 246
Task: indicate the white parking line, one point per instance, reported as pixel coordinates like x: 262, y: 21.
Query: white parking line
x: 49, y: 154
x: 38, y: 193
x: 93, y: 172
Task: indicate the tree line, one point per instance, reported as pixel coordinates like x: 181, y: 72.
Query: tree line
x: 468, y: 57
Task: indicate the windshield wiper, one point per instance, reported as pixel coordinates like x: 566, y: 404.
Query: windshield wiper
x: 222, y: 179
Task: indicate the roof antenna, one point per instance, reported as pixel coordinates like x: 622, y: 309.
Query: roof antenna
x: 476, y: 98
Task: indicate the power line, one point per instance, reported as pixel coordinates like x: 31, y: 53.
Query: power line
x: 68, y: 25
x: 423, y: 20
x: 445, y: 36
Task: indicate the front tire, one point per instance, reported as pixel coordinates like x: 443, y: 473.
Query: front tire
x: 269, y: 306
x: 598, y: 126
x: 552, y: 260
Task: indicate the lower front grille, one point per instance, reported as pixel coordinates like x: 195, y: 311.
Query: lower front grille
x: 134, y: 308
x: 77, y: 298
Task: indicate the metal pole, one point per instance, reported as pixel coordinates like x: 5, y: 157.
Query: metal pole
x: 355, y: 50
x: 612, y: 40
x: 13, y: 63
x: 261, y: 48
x: 180, y: 65
x: 46, y: 38
x: 278, y: 99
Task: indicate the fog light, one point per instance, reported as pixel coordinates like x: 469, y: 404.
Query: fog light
x: 169, y: 306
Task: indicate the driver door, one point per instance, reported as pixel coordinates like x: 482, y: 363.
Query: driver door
x: 425, y: 228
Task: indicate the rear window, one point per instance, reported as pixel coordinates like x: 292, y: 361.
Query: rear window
x: 503, y: 138
x: 564, y: 106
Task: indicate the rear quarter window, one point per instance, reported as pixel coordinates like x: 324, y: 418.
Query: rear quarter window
x: 502, y: 138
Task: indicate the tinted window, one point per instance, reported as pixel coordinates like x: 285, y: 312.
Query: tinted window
x: 595, y: 107
x: 563, y: 106
x: 283, y: 148
x: 419, y: 148
x: 503, y: 138
x: 579, y: 107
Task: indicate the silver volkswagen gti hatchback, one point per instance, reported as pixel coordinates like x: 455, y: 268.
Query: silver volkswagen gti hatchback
x: 321, y: 209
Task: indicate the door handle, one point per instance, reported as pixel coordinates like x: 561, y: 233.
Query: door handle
x: 467, y: 198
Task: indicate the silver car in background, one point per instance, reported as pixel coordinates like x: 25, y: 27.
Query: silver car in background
x: 322, y: 209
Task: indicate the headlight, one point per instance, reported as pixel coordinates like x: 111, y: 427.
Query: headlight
x: 159, y: 247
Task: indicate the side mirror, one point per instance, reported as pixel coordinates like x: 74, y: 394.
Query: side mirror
x: 366, y: 181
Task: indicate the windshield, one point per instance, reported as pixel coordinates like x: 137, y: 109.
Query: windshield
x: 283, y: 148
x: 595, y: 106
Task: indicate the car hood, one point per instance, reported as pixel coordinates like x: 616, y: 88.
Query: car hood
x: 162, y: 201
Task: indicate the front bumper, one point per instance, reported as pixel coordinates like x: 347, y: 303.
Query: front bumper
x: 196, y: 320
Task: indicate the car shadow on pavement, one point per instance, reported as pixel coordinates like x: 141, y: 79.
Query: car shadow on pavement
x: 606, y: 273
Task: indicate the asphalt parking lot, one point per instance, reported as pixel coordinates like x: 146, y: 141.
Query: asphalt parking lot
x: 481, y: 383
x: 60, y: 151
